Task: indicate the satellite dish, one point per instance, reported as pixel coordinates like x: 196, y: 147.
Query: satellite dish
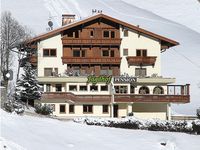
x: 50, y: 23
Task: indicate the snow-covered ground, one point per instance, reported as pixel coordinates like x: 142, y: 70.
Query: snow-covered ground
x: 33, y: 133
x: 182, y: 62
x: 185, y: 12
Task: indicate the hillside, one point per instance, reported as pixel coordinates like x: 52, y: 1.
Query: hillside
x: 181, y: 11
x: 50, y: 134
x: 181, y: 62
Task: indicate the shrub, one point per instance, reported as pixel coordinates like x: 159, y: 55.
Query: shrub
x: 45, y: 109
x: 196, y: 126
x: 14, y: 106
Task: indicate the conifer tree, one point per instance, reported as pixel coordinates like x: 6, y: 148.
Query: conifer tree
x: 27, y: 88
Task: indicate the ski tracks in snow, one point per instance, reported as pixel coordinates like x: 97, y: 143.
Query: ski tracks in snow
x: 132, y: 16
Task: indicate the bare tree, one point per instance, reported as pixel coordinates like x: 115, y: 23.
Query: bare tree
x: 11, y: 35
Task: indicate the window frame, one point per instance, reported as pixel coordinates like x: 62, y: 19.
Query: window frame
x: 104, y: 32
x: 88, y: 109
x: 103, y: 109
x: 71, y: 106
x: 125, y: 50
x: 49, y: 52
x: 125, y: 32
x: 104, y: 86
x: 60, y: 109
x: 141, y: 52
x: 59, y: 87
x: 93, y: 86
x: 82, y: 86
x: 74, y: 88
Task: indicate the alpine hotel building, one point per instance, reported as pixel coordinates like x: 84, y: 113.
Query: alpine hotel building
x: 103, y: 67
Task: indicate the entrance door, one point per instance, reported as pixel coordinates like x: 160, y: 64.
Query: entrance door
x: 115, y: 111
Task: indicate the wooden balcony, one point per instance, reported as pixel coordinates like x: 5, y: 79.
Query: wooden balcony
x: 82, y: 60
x: 152, y: 98
x: 118, y: 98
x: 76, y: 98
x: 91, y: 41
x: 139, y: 60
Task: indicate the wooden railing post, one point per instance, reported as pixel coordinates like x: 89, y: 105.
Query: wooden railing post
x: 188, y: 89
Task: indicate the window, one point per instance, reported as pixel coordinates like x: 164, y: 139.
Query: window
x: 87, y: 108
x: 112, y: 34
x: 121, y: 89
x: 76, y: 34
x: 158, y: 90
x: 50, y: 71
x: 125, y: 52
x: 112, y: 53
x: 48, y: 88
x: 72, y: 88
x: 76, y: 53
x: 62, y: 109
x: 106, y: 34
x: 104, y: 88
x: 83, y: 88
x: 71, y: 108
x: 92, y: 33
x: 144, y: 90
x: 93, y: 88
x: 83, y: 53
x: 132, y: 89
x: 105, y: 53
x: 58, y: 87
x: 140, y: 72
x: 125, y: 33
x: 141, y: 52
x: 105, y: 108
x: 49, y: 52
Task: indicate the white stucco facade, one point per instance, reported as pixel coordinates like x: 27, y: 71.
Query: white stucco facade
x: 54, y: 42
x: 136, y: 41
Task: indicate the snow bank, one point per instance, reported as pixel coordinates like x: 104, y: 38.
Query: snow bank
x: 135, y: 123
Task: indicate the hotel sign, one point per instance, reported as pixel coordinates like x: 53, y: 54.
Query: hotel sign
x: 124, y: 79
x: 99, y: 79
x: 107, y: 79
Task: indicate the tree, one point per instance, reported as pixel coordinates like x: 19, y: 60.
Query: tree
x: 27, y: 88
x: 12, y: 33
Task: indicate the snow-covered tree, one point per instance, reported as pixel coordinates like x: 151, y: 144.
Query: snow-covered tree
x: 27, y: 88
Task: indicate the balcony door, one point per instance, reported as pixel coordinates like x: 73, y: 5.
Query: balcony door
x: 115, y: 110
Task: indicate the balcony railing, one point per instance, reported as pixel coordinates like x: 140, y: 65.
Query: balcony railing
x: 79, y: 41
x: 82, y: 60
x: 140, y: 60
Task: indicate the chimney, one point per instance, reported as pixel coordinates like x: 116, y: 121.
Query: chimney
x: 67, y: 18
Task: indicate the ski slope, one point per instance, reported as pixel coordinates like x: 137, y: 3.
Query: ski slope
x: 186, y: 12
x: 182, y: 62
x: 33, y: 133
